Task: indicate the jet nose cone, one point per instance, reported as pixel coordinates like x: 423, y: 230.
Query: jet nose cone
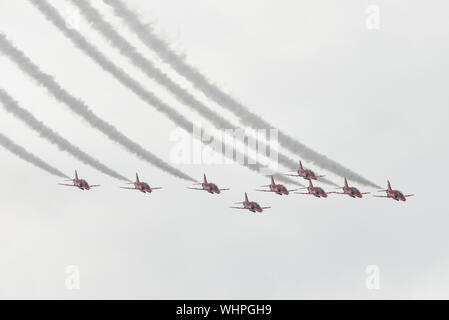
x: 286, y: 192
x: 218, y: 191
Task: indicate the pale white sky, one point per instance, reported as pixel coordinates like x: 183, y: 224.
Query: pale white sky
x: 374, y: 100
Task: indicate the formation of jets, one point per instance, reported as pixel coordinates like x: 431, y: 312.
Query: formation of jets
x: 250, y: 205
x: 394, y: 194
x: 273, y: 187
x: 277, y: 188
x: 353, y: 192
x: 314, y: 191
x: 141, y: 186
x: 209, y: 187
x: 79, y: 183
x: 304, y: 173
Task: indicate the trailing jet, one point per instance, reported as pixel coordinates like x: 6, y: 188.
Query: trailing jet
x: 314, y: 191
x: 208, y: 186
x: 141, y: 186
x: 277, y: 188
x: 305, y: 173
x: 250, y: 205
x: 79, y: 183
x: 353, y: 192
x: 394, y: 194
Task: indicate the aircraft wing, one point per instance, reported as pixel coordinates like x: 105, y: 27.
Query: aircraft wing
x: 128, y: 188
x: 265, y: 207
x: 224, y: 189
x: 303, y: 193
x: 95, y: 185
x: 195, y: 188
x: 156, y: 188
x: 265, y: 190
x: 409, y: 195
x: 67, y: 185
x: 237, y: 208
x: 365, y: 192
x: 293, y: 190
x: 380, y: 196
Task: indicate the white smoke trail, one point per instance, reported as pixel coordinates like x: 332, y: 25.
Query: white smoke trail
x: 148, y: 97
x: 126, y: 48
x: 81, y: 109
x: 155, y: 43
x: 13, y: 107
x: 29, y: 157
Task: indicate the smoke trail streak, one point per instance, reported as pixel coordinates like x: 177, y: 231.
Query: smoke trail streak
x: 13, y: 107
x: 126, y: 48
x: 148, y: 97
x: 81, y: 109
x: 152, y: 41
x: 29, y: 157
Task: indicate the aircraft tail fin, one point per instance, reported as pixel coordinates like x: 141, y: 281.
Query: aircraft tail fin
x: 76, y: 175
x: 204, y: 177
x: 300, y: 165
x: 388, y: 187
x: 137, y: 177
x: 272, y: 180
x: 346, y: 183
x: 246, y: 197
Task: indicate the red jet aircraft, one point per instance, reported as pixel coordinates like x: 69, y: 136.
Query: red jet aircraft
x: 208, y: 186
x: 79, y: 183
x: 314, y: 191
x: 250, y: 205
x: 277, y: 188
x: 305, y: 173
x: 353, y: 192
x: 394, y: 194
x: 141, y: 186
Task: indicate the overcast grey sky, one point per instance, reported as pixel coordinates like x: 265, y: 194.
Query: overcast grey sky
x: 374, y: 100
